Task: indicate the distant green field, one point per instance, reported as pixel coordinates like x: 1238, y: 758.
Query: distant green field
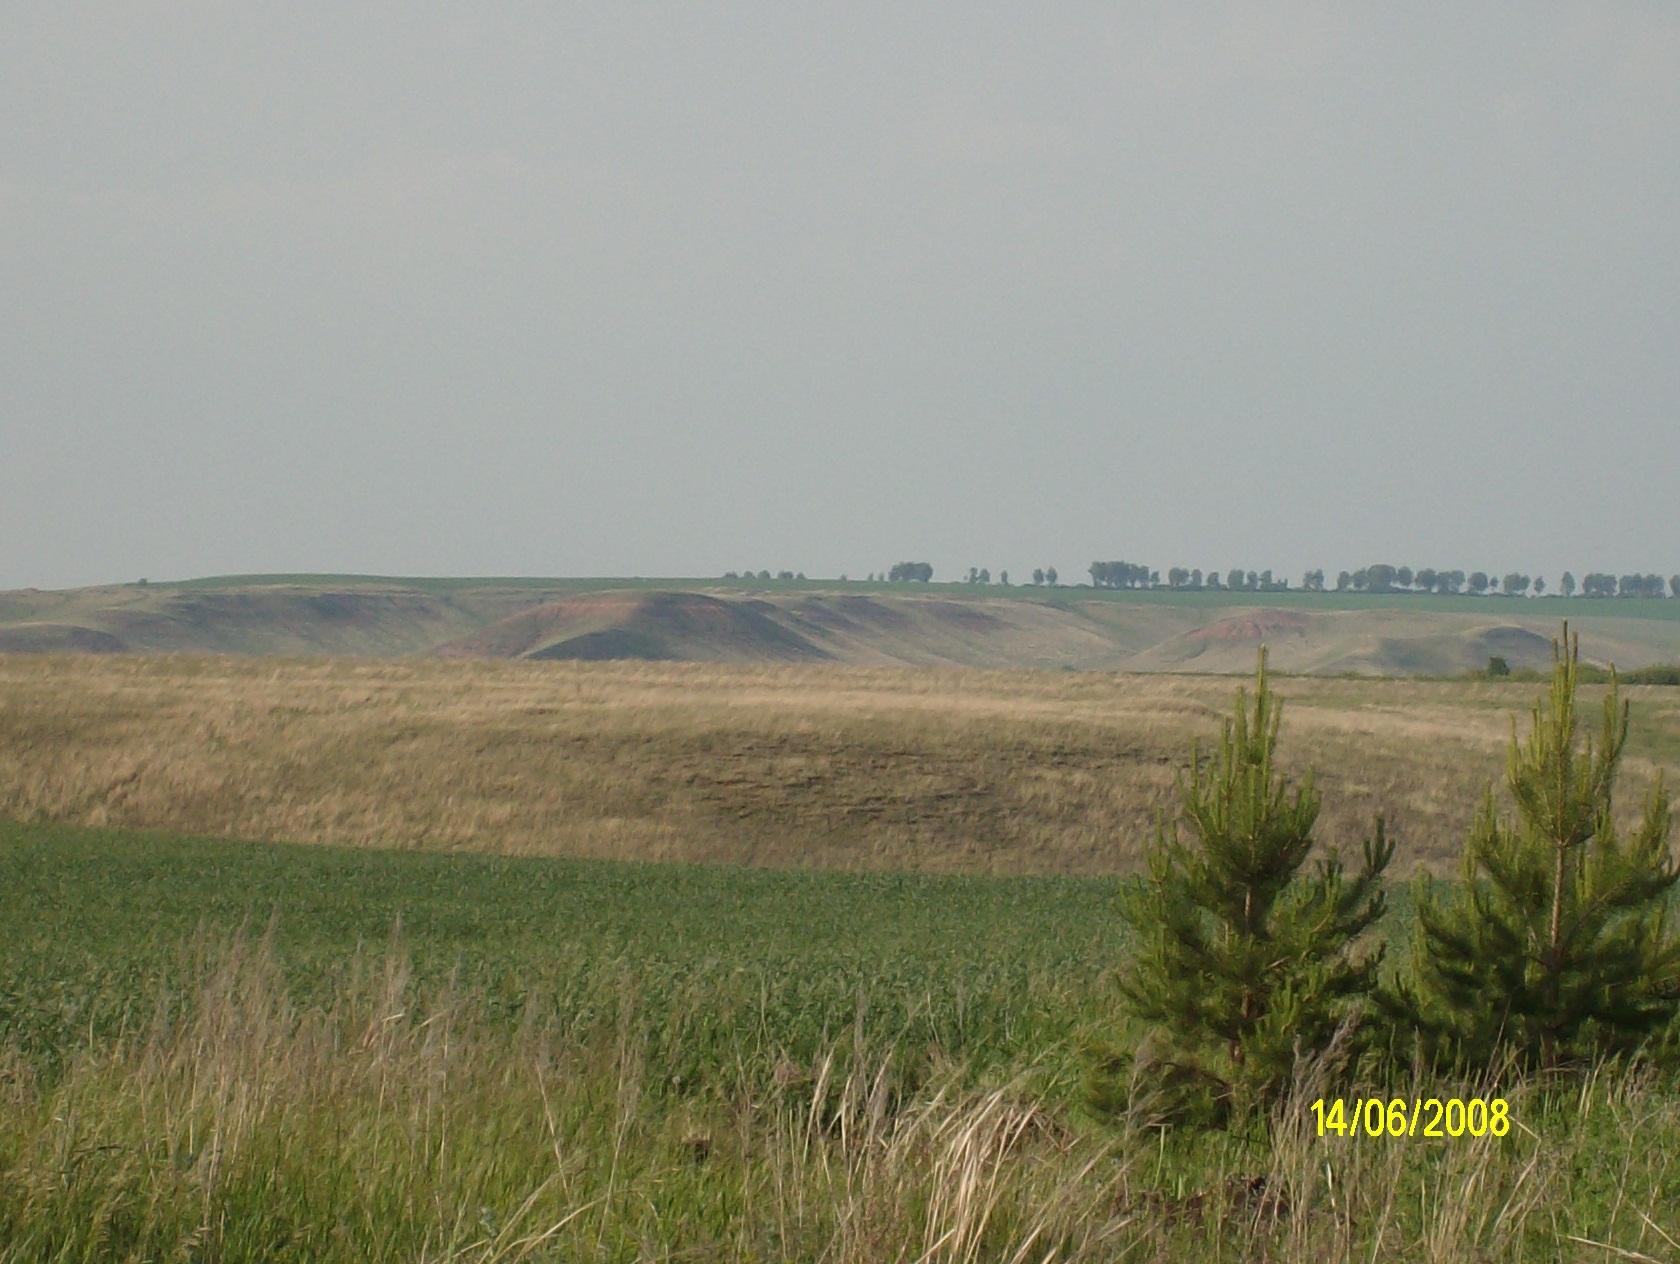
x: 96, y: 922
x: 1213, y: 598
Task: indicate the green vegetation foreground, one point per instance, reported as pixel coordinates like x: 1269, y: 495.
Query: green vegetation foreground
x: 560, y: 1059
x: 715, y: 961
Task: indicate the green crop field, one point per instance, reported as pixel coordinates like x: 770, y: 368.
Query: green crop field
x: 96, y: 921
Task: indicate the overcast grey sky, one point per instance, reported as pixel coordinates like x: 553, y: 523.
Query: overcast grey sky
x: 632, y: 289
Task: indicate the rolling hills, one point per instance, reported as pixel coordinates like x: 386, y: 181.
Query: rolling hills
x: 947, y: 625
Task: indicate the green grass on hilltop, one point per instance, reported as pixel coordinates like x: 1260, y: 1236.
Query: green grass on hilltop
x: 1552, y: 605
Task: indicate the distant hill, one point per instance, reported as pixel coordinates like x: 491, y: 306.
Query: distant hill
x: 688, y: 626
x: 934, y: 625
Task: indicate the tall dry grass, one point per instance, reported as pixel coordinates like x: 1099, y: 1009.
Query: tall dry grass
x: 240, y: 1128
x: 390, y: 1125
x: 819, y: 766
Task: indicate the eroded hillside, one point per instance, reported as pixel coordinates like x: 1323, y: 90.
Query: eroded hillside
x: 860, y: 624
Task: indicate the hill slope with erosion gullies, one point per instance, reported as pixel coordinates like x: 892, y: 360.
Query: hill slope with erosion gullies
x: 864, y: 624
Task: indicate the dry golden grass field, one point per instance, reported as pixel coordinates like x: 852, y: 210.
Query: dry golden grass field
x: 822, y: 766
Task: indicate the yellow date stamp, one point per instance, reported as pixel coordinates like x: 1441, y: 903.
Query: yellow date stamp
x: 1428, y: 1117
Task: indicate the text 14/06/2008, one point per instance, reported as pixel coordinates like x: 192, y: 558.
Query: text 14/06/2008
x: 1428, y: 1117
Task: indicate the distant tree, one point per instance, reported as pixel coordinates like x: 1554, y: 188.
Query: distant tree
x: 1038, y: 575
x: 1478, y: 582
x: 1497, y: 666
x: 1247, y: 960
x: 1121, y: 575
x: 731, y: 575
x: 1425, y: 579
x: 985, y: 575
x: 764, y: 574
x: 1598, y: 584
x: 1556, y: 945
x: 784, y: 574
x: 1253, y: 581
x: 1452, y: 581
x: 1380, y: 578
x: 1403, y: 576
x: 1361, y: 579
x: 1177, y: 577
x: 1567, y: 584
x: 1195, y: 579
x: 1515, y: 584
x: 1344, y: 581
x: 1154, y: 579
x: 1630, y: 586
x: 1539, y: 585
x: 910, y: 572
x: 1050, y: 576
x: 1313, y: 581
x: 1213, y: 580
x: 1674, y: 585
x: 1003, y: 578
x: 1234, y: 580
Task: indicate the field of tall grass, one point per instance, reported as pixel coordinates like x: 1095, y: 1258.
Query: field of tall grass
x: 802, y: 767
x: 212, y: 1050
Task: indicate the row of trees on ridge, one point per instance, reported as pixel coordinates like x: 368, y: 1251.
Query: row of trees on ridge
x: 1378, y: 578
x: 1383, y: 578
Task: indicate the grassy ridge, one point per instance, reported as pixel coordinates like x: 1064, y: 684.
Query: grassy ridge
x: 1299, y: 599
